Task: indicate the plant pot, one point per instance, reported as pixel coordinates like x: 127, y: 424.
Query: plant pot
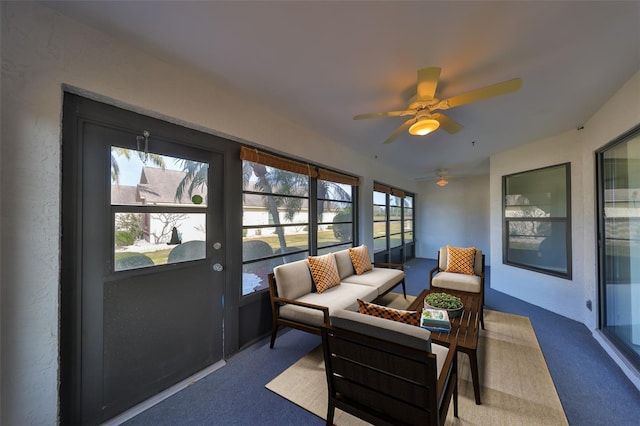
x: 453, y: 313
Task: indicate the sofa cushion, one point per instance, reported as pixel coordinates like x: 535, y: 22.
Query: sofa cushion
x: 293, y: 279
x: 396, y: 332
x: 455, y: 281
x: 399, y: 315
x: 343, y: 296
x: 460, y: 260
x: 343, y: 261
x: 360, y: 259
x: 383, y: 279
x: 324, y: 272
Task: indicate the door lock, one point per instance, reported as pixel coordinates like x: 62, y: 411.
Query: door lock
x: 218, y: 267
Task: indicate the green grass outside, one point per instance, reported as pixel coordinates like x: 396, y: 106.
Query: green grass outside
x: 297, y: 240
x: 160, y: 257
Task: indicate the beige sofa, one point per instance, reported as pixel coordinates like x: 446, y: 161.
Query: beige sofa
x: 295, y: 302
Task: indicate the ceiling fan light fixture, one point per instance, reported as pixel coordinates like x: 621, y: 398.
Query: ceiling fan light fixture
x: 442, y: 177
x: 424, y: 126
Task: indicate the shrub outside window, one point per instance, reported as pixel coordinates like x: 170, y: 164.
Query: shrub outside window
x: 537, y: 220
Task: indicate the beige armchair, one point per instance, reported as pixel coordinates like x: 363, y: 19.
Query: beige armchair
x: 438, y: 278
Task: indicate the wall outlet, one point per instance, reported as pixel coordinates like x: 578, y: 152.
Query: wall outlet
x: 589, y: 304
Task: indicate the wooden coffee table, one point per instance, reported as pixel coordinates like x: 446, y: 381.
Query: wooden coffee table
x: 464, y: 329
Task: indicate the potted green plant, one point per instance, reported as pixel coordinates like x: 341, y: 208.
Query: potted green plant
x: 452, y: 304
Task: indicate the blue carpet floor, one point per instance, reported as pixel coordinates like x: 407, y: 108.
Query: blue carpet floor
x: 592, y: 388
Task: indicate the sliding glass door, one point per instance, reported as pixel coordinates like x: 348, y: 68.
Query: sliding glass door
x: 619, y: 220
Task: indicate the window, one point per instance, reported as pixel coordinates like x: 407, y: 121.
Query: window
x: 158, y: 208
x: 335, y: 213
x: 393, y: 219
x: 408, y: 219
x: 291, y: 210
x: 537, y: 225
x: 379, y: 221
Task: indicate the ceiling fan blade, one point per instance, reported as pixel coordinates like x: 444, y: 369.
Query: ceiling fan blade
x: 400, y: 129
x: 480, y: 94
x: 447, y: 124
x: 427, y: 83
x: 383, y: 114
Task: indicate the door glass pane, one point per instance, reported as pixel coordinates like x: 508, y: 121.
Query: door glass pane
x: 621, y: 201
x: 151, y: 179
x: 148, y: 239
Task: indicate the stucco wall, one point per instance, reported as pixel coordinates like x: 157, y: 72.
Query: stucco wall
x: 42, y: 52
x: 556, y: 294
x: 619, y: 114
x: 456, y: 214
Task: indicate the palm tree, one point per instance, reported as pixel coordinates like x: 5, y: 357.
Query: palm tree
x: 287, y: 183
x: 195, y: 177
x: 269, y: 180
x: 156, y: 159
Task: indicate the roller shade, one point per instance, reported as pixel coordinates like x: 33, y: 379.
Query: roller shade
x: 261, y: 157
x: 397, y: 192
x: 331, y: 176
x: 381, y: 188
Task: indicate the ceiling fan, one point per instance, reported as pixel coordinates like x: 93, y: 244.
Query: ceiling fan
x: 423, y: 106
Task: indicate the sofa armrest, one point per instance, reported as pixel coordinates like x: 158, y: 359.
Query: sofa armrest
x: 388, y: 265
x: 324, y: 309
x: 432, y: 273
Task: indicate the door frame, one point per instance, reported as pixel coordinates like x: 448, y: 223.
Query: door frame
x: 77, y: 109
x: 627, y: 354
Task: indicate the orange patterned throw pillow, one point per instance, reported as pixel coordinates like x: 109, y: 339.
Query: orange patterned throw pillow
x: 407, y: 317
x: 360, y: 259
x: 461, y: 260
x: 324, y: 271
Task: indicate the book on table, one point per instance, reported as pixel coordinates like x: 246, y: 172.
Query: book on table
x: 435, y: 320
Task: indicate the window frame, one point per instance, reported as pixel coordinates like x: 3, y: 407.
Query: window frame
x: 607, y: 268
x: 566, y: 220
x: 314, y: 174
x: 406, y: 249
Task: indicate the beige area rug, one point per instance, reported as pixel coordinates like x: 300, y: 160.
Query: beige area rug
x: 516, y: 387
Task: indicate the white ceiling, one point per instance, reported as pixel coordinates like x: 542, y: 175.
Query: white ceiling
x: 319, y: 63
